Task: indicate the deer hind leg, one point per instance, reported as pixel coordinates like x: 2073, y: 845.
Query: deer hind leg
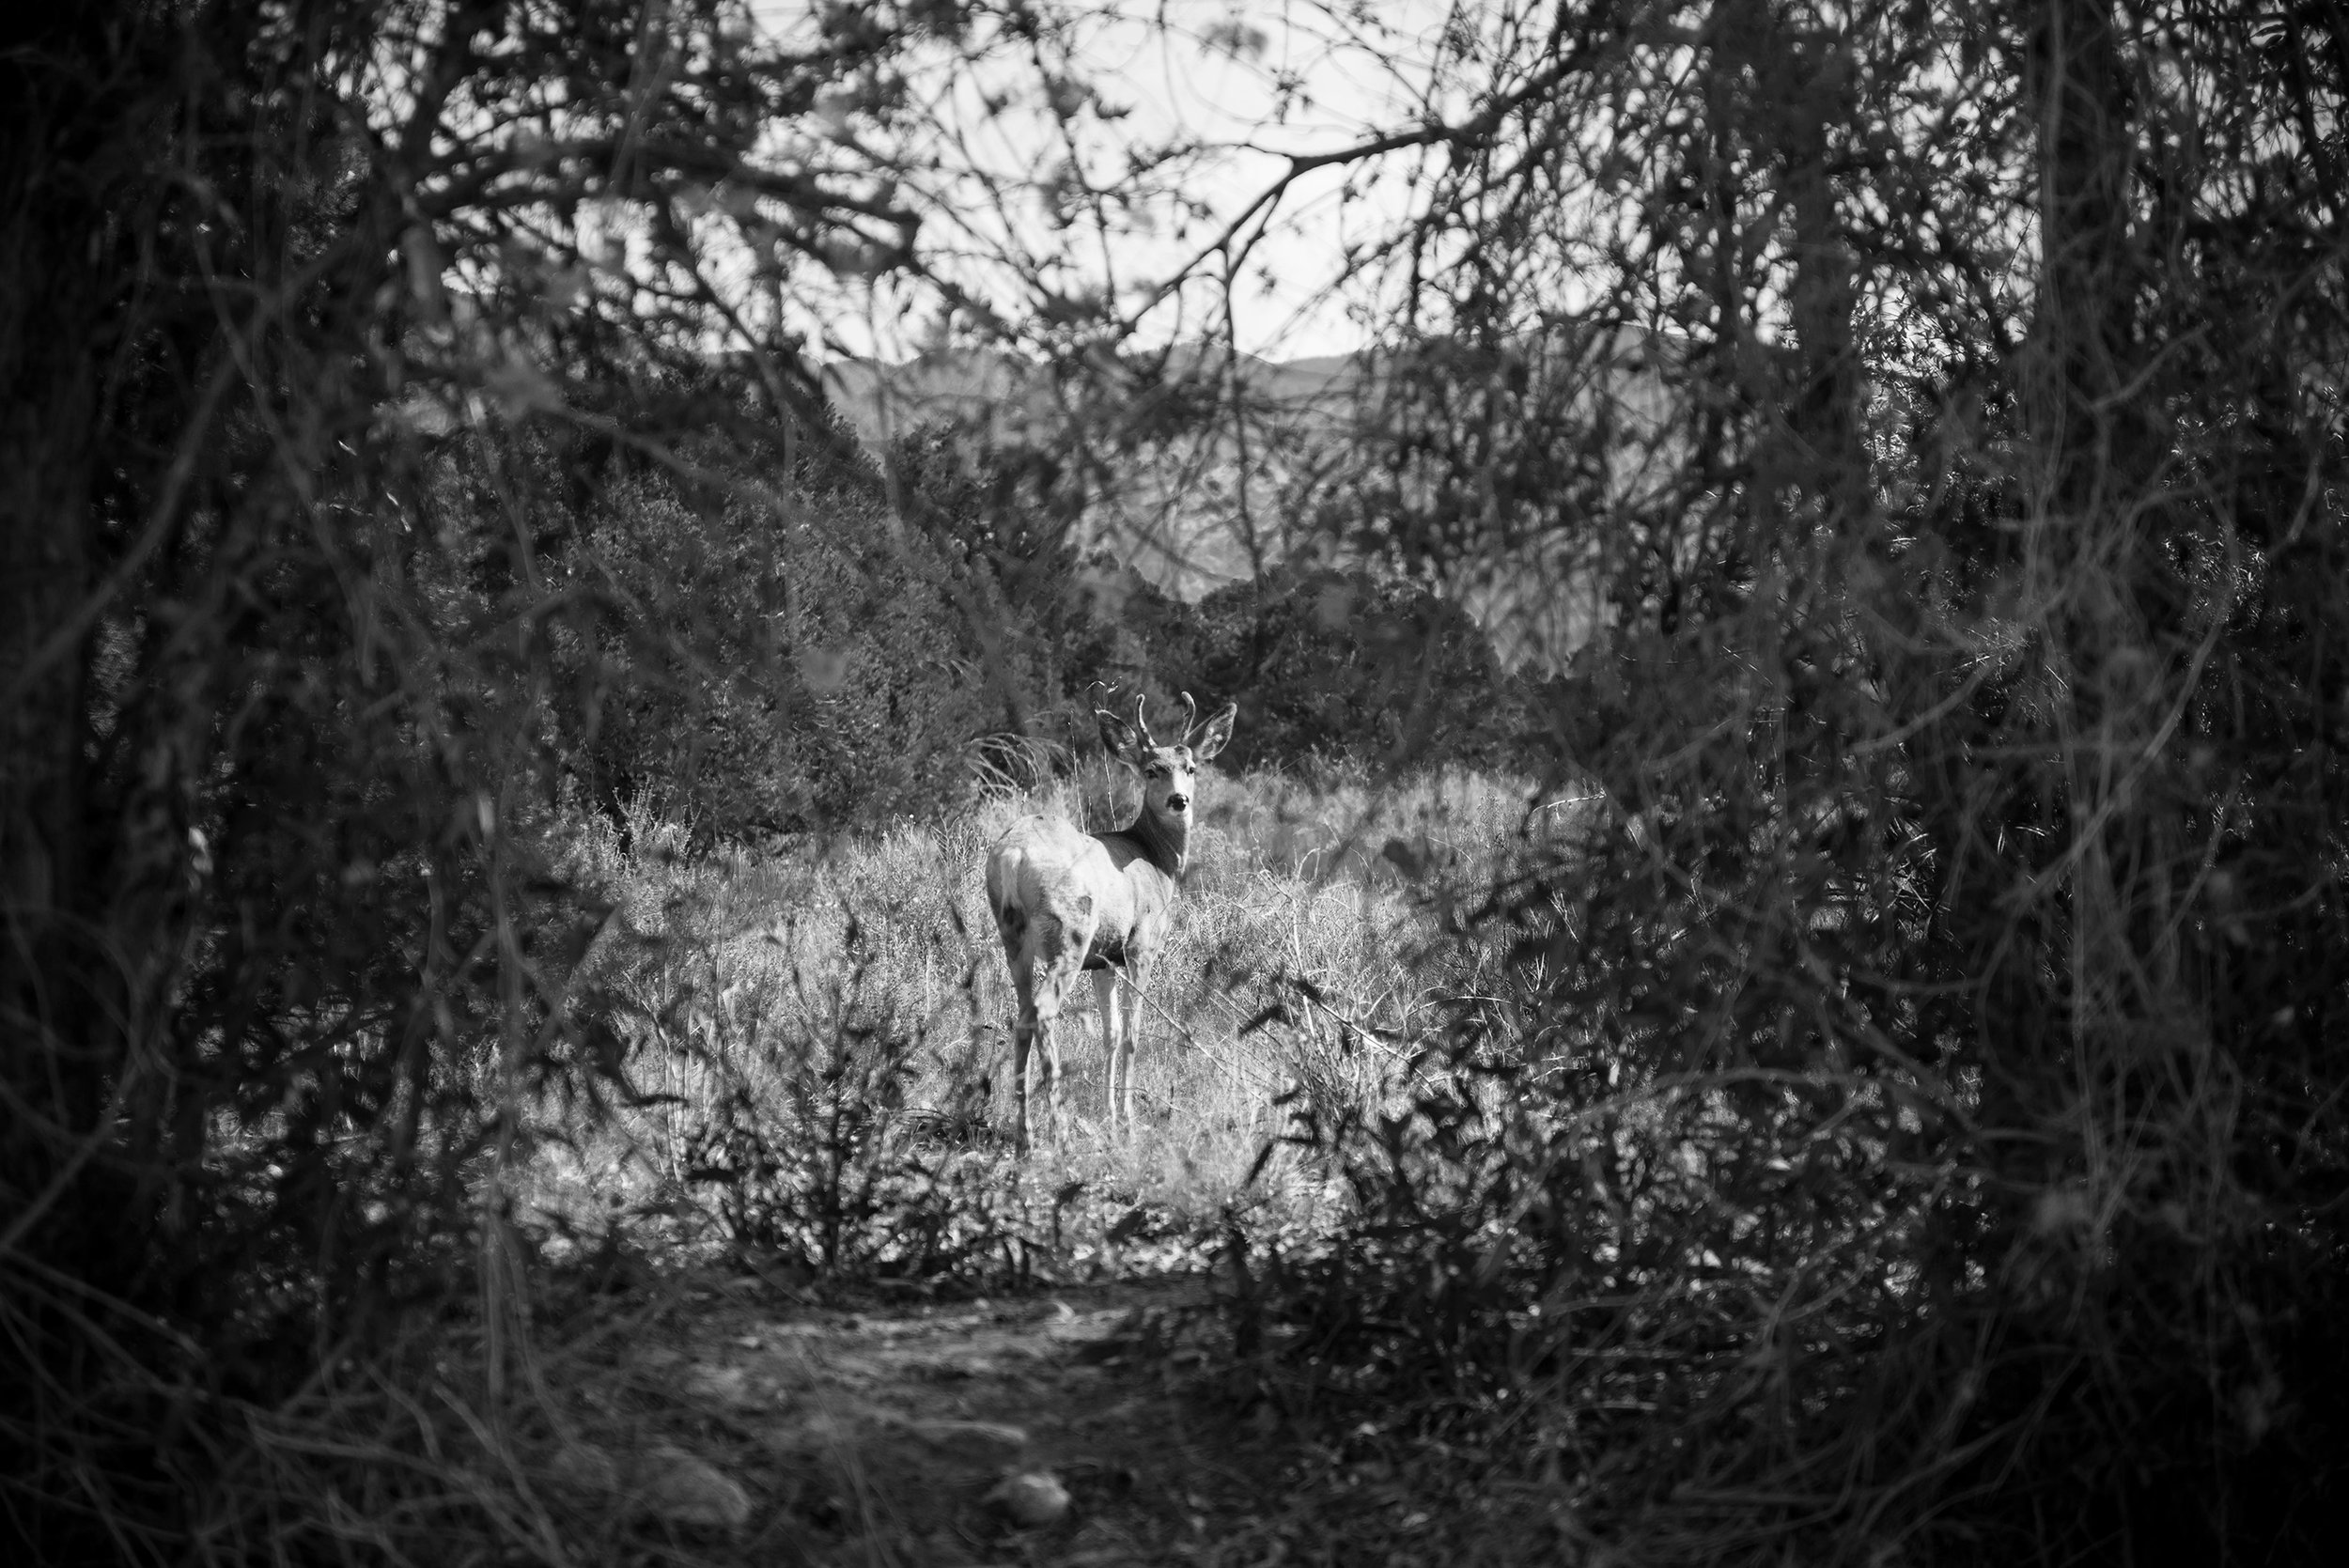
x: 1039, y: 985
x: 1062, y: 949
x: 1047, y: 952
x: 1060, y: 946
x: 1024, y: 1032
x: 1036, y: 1050
x: 1048, y: 1037
x: 1054, y: 986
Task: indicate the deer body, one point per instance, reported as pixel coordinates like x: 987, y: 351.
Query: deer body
x: 1066, y: 901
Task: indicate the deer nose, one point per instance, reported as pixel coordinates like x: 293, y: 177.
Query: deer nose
x: 1178, y: 802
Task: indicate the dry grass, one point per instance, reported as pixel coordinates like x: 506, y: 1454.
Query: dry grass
x: 719, y: 962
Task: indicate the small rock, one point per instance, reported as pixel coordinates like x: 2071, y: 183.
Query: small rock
x: 727, y: 1385
x: 1099, y: 1557
x: 586, y: 1468
x: 975, y: 1442
x: 686, y: 1489
x: 1032, y: 1499
x: 664, y: 1482
x: 821, y: 1432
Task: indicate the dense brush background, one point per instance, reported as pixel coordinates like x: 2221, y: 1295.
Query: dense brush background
x: 1764, y: 978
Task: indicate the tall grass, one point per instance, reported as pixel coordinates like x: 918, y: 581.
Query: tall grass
x: 850, y: 994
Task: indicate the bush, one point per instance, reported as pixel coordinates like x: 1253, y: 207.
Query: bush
x: 807, y: 1147
x: 772, y: 650
x: 1331, y: 666
x: 1908, y: 1131
x: 318, y: 334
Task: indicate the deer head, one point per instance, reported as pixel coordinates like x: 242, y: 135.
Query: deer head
x: 1170, y: 772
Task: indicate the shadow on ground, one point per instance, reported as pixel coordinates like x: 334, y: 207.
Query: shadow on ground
x: 733, y: 1421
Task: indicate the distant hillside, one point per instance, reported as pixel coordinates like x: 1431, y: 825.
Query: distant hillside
x: 989, y: 389
x: 976, y: 388
x: 1212, y: 460
x: 1203, y: 453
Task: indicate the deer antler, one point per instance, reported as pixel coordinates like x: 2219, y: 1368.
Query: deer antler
x: 1141, y: 726
x: 1190, y: 718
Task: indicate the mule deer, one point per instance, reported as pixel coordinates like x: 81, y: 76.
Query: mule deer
x: 1067, y: 900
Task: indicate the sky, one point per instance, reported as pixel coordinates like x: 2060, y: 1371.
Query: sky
x: 1252, y: 83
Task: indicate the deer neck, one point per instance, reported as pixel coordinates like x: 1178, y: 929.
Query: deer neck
x: 1164, y: 844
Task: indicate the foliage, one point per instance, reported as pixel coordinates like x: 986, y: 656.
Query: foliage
x: 1917, y: 1107
x: 769, y: 649
x: 818, y: 1038
x: 1000, y: 511
x: 1329, y: 666
x: 807, y: 1147
x: 1906, y: 1127
x: 1354, y: 665
x: 322, y: 323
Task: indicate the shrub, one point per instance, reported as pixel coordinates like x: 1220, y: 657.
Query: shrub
x: 1332, y: 665
x: 806, y: 1146
x: 1907, y: 1131
x: 772, y: 650
x: 320, y: 327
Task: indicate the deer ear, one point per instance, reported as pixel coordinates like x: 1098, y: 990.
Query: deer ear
x: 1118, y: 736
x: 1214, y: 733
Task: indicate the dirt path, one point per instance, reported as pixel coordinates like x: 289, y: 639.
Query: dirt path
x: 761, y: 1428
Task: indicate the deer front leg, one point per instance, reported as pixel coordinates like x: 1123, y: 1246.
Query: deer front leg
x: 1105, y: 997
x: 1130, y: 1023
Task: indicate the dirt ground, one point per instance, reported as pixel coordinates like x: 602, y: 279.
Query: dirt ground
x: 747, y: 1424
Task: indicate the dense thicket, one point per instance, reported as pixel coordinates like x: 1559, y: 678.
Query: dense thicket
x: 339, y: 345
x: 778, y: 649
x: 1366, y: 664
x: 1917, y: 1132
x: 1362, y: 665
x: 765, y: 645
x: 1928, y: 1117
x: 406, y: 442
